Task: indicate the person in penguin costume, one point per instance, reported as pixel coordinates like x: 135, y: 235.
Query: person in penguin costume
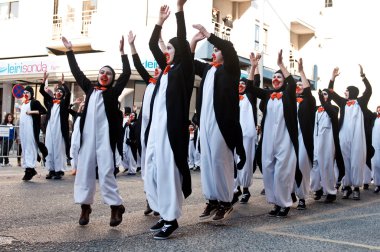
x: 30, y: 121
x: 57, y: 129
x: 220, y: 131
x: 352, y: 133
x: 167, y: 177
x: 100, y: 124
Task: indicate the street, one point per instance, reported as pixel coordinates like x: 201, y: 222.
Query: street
x: 40, y: 216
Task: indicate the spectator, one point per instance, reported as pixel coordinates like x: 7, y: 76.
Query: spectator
x: 7, y: 142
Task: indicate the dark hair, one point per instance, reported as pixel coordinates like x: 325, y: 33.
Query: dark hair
x: 6, y: 118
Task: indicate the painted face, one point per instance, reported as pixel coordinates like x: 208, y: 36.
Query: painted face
x: 191, y: 128
x: 277, y: 81
x: 27, y: 95
x: 157, y: 72
x: 58, y: 94
x: 105, y: 76
x: 132, y: 117
x: 241, y: 87
x: 346, y: 93
x: 325, y: 95
x: 299, y: 88
x: 169, y: 53
x: 217, y: 56
x: 378, y: 109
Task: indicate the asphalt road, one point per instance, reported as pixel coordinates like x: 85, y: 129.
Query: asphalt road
x: 40, y: 216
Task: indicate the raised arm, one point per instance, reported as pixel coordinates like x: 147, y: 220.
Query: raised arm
x: 136, y: 59
x: 79, y: 76
x: 254, y: 77
x: 199, y: 66
x: 126, y: 74
x: 305, y: 82
x: 47, y: 97
x: 291, y: 84
x: 153, y: 42
x: 306, y: 86
x: 368, y: 88
x: 334, y: 96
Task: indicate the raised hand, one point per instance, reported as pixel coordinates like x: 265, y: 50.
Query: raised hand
x: 279, y: 59
x: 163, y: 15
x: 201, y: 29
x: 62, y: 79
x: 77, y: 101
x: 121, y: 46
x: 180, y: 4
x: 131, y: 38
x: 67, y: 43
x: 46, y: 75
x: 335, y: 73
x: 198, y: 37
x: 254, y: 59
x: 300, y: 65
x: 361, y: 71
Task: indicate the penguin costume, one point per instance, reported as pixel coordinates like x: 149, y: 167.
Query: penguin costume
x: 100, y: 129
x: 352, y: 134
x: 326, y: 149
x: 57, y: 130
x: 30, y: 123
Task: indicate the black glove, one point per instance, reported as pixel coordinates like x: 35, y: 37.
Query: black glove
x: 241, y: 153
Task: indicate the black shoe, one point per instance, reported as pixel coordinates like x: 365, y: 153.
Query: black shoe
x: 347, y: 191
x: 29, y: 174
x: 156, y: 213
x: 274, y: 211
x: 166, y: 230
x: 330, y: 198
x: 262, y: 191
x: 356, y: 195
x: 210, y: 210
x: 318, y: 194
x: 236, y: 197
x: 138, y: 169
x: 157, y: 227
x: 50, y: 175
x: 196, y: 168
x: 116, y: 215
x: 377, y: 189
x: 365, y: 186
x: 148, y: 210
x: 294, y: 198
x: 283, y: 212
x: 223, y: 212
x: 245, y: 198
x: 84, y: 218
x: 337, y: 185
x: 58, y: 175
x: 301, y: 205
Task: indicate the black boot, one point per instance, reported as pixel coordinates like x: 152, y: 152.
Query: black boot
x: 318, y: 194
x: 84, y: 218
x: 116, y: 215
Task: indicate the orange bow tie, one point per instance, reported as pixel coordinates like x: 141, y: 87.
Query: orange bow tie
x: 349, y: 103
x: 321, y: 109
x: 215, y: 64
x: 56, y: 101
x: 100, y: 88
x: 167, y: 69
x: 299, y: 99
x: 152, y: 80
x: 26, y: 101
x: 277, y: 96
x: 241, y: 97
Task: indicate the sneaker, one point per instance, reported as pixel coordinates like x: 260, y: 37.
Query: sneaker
x: 245, y: 198
x: 330, y: 198
x: 301, y: 205
x: 274, y: 211
x: 347, y: 191
x: 294, y: 198
x: 236, y: 197
x: 148, y: 210
x: 166, y: 230
x: 283, y: 212
x: 50, y: 175
x: 377, y: 189
x: 262, y: 191
x: 356, y: 195
x: 365, y: 186
x: 210, y: 210
x: 318, y: 194
x: 157, y: 227
x: 222, y: 213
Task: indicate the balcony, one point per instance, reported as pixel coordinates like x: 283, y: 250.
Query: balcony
x: 222, y: 31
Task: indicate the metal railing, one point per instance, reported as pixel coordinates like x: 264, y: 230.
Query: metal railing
x: 9, y: 144
x: 78, y: 28
x: 222, y: 31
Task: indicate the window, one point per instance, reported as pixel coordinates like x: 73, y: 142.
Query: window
x: 328, y: 3
x: 9, y: 10
x: 265, y: 40
x: 257, y: 37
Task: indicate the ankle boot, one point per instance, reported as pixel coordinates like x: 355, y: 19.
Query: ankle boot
x: 84, y: 218
x: 116, y: 215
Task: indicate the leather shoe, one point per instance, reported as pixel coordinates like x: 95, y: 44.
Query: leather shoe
x: 84, y: 218
x: 116, y: 215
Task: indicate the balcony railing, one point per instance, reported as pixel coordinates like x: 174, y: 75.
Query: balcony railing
x: 69, y: 24
x: 222, y: 31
